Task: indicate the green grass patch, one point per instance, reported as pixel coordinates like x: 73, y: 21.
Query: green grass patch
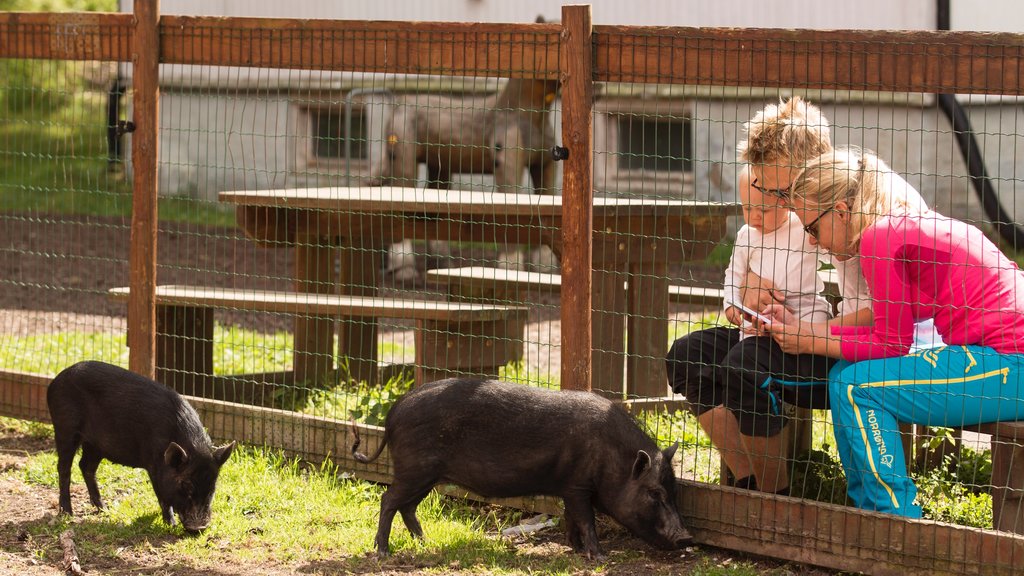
x: 679, y: 328
x: 272, y: 508
x: 53, y: 147
x: 51, y: 353
x: 235, y: 351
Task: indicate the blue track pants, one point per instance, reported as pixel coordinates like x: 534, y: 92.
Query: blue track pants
x: 945, y: 386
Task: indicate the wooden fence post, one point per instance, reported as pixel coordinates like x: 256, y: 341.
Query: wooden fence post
x: 142, y: 252
x: 577, y: 78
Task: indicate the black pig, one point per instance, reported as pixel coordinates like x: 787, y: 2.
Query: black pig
x: 131, y: 420
x: 500, y: 440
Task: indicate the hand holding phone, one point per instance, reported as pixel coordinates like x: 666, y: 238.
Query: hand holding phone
x: 750, y: 312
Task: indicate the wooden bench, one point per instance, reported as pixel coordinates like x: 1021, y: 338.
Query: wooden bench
x: 451, y: 338
x: 481, y: 283
x: 485, y: 284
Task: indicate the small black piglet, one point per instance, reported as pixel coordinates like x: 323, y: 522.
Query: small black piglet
x: 131, y: 420
x: 500, y: 439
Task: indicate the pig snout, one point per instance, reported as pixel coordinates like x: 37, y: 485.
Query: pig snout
x: 195, y: 520
x: 682, y: 538
x: 672, y: 539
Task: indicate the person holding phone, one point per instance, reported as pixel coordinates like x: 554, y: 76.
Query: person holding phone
x: 918, y: 264
x: 754, y: 378
x: 743, y: 388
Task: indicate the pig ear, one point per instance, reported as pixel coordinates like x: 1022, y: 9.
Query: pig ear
x: 642, y: 464
x: 175, y: 456
x: 669, y: 452
x: 220, y: 455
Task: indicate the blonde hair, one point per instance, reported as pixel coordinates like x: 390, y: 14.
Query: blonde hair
x: 858, y: 177
x: 792, y: 131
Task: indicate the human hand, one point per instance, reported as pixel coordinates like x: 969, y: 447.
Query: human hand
x: 733, y: 315
x: 788, y: 331
x: 780, y: 314
x: 788, y: 337
x: 758, y: 292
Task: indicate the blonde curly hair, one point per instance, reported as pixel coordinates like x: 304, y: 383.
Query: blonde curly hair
x: 792, y: 131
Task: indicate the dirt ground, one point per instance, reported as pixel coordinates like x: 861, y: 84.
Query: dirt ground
x: 54, y: 275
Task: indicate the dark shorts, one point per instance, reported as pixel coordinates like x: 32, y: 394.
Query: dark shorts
x: 752, y: 377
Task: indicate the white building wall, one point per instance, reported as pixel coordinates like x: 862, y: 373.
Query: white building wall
x: 230, y: 128
x: 827, y: 14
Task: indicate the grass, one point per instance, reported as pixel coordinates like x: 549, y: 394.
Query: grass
x: 270, y: 509
x: 33, y: 141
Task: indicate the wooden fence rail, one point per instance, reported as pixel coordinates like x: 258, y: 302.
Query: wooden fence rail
x: 886, y: 61
x: 578, y: 54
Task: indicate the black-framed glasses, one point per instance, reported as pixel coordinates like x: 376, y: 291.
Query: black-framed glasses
x: 782, y: 193
x: 812, y: 228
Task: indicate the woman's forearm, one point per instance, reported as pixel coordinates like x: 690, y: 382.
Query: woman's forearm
x: 818, y: 339
x: 862, y: 317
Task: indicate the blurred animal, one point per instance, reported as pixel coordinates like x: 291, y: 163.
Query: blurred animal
x: 502, y: 134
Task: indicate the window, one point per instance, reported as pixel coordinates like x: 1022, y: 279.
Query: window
x: 655, y: 144
x: 331, y: 141
x: 645, y: 145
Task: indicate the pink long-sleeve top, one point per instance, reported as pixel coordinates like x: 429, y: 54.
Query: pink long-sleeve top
x: 931, y: 266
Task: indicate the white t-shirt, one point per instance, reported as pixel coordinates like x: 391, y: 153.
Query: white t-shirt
x: 787, y: 258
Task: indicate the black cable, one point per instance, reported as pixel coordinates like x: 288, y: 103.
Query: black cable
x: 971, y: 152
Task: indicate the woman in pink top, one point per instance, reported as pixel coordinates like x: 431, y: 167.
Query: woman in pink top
x: 918, y: 265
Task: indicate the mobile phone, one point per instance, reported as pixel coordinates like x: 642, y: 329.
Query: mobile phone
x: 750, y: 312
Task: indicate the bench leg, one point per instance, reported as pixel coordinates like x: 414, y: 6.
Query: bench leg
x: 476, y: 349
x: 1008, y: 484
x: 357, y: 337
x: 184, y: 348
x: 314, y: 335
x: 647, y: 329
x: 608, y: 304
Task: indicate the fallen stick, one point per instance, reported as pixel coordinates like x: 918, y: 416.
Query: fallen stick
x: 70, y: 564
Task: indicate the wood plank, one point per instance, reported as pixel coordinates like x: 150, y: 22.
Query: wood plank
x: 313, y: 334
x: 481, y: 277
x: 785, y: 528
x: 933, y: 61
x: 890, y: 61
x: 324, y: 304
x: 145, y: 153
x: 448, y: 48
x: 23, y: 395
x: 583, y: 327
x: 66, y: 36
x: 485, y: 276
x: 842, y: 538
x: 453, y: 203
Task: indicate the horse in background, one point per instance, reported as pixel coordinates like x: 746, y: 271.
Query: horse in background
x: 501, y: 134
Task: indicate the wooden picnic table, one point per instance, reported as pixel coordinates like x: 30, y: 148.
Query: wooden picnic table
x: 634, y: 238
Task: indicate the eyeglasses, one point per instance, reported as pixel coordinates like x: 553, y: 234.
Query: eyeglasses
x: 812, y: 228
x: 777, y: 192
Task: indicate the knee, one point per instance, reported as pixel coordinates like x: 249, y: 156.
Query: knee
x: 678, y: 352
x: 840, y: 377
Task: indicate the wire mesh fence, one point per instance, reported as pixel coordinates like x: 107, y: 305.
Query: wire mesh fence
x: 349, y: 210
